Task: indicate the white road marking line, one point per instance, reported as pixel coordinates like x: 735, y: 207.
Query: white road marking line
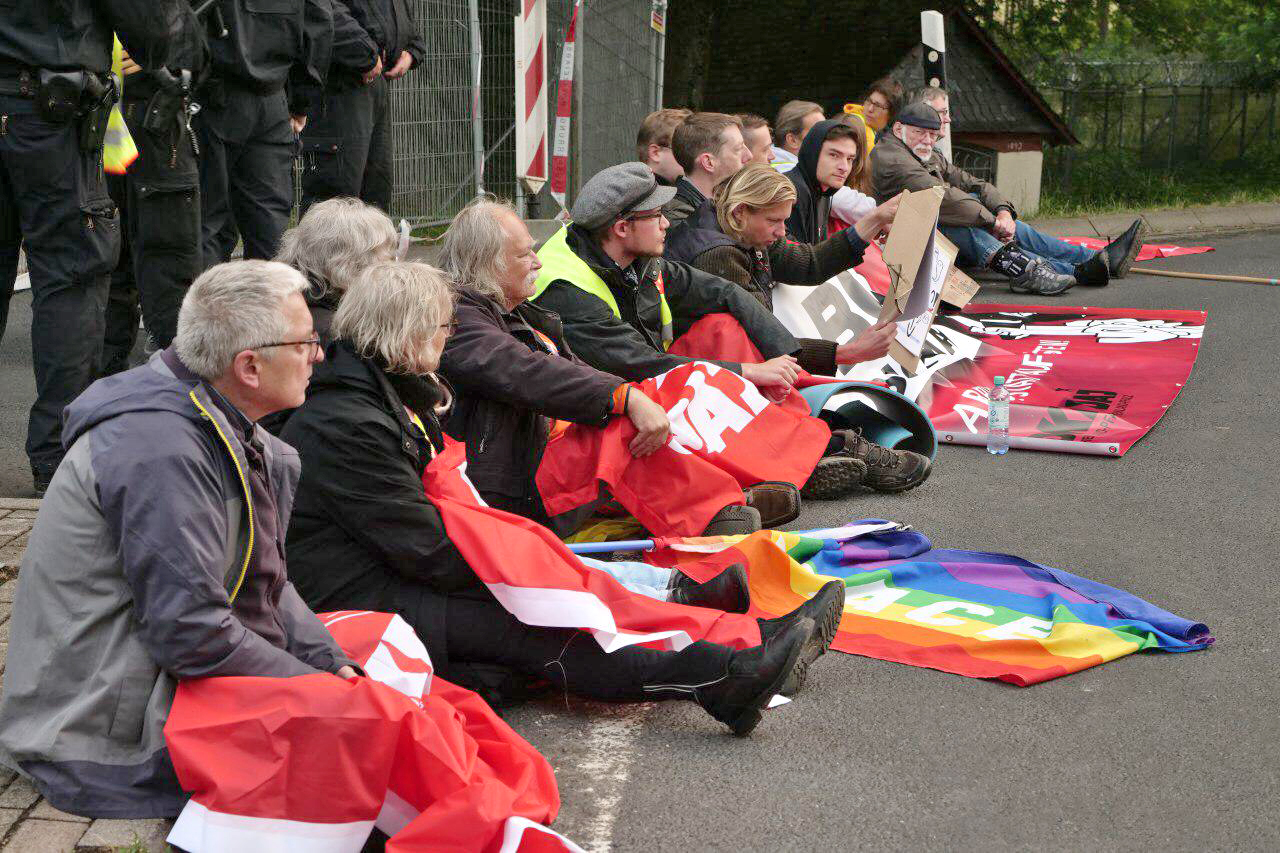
x: 607, y: 764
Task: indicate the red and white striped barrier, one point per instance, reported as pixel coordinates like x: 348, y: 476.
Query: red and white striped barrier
x: 531, y: 94
x: 564, y: 105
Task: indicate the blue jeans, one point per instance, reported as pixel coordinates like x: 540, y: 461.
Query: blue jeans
x: 977, y: 245
x: 641, y: 578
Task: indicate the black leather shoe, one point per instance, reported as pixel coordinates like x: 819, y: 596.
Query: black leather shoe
x: 778, y: 503
x: 1094, y: 272
x: 1122, y: 251
x: 40, y: 480
x: 825, y: 609
x: 727, y: 591
x: 754, y: 676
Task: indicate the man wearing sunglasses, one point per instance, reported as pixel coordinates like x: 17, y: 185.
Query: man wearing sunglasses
x: 158, y: 552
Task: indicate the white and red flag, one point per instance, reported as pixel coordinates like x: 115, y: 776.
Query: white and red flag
x: 315, y: 762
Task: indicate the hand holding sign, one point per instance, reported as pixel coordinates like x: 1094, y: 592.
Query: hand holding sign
x: 869, y: 345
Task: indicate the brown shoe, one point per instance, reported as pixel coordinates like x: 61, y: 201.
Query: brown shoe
x: 887, y: 470
x: 733, y: 520
x: 777, y: 502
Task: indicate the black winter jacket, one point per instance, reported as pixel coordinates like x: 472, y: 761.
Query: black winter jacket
x: 363, y: 535
x: 508, y: 383
x: 75, y: 35
x: 631, y: 347
x: 366, y: 30
x: 271, y: 43
x: 812, y: 210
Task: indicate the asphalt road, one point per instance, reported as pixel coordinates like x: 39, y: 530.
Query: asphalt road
x: 1170, y: 752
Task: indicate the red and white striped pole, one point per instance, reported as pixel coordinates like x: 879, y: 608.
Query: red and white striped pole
x: 564, y: 106
x: 531, y: 95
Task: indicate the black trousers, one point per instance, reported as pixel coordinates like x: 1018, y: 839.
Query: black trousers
x: 481, y: 631
x: 347, y: 147
x: 159, y: 202
x: 54, y: 204
x: 246, y: 172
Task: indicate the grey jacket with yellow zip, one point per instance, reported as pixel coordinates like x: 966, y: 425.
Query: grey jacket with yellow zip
x: 139, y: 573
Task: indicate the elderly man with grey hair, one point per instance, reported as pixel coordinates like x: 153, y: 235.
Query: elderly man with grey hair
x: 515, y: 375
x: 157, y: 554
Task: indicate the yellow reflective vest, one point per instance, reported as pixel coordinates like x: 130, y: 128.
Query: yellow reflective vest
x: 559, y: 261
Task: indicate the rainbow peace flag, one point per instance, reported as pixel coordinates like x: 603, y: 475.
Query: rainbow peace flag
x: 969, y: 612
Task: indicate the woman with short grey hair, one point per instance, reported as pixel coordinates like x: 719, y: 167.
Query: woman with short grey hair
x: 332, y: 244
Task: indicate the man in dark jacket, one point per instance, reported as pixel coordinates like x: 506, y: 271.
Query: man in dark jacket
x: 346, y: 146
x: 142, y: 569
x: 983, y: 223
x: 514, y: 375
x: 622, y: 305
x: 710, y: 149
x: 262, y: 85
x: 826, y: 158
x: 366, y: 536
x: 54, y: 60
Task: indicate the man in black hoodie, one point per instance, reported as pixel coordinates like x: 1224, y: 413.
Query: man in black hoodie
x: 826, y: 158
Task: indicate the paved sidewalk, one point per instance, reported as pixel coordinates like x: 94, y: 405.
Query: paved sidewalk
x: 28, y: 824
x: 1173, y: 222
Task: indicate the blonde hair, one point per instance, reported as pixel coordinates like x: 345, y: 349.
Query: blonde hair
x: 334, y: 241
x: 757, y: 186
x: 860, y: 175
x: 392, y: 313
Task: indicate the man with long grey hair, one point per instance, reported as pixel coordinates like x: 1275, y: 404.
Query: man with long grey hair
x: 515, y: 374
x: 331, y: 245
x: 158, y: 552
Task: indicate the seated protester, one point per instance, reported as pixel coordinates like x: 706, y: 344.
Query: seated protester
x: 365, y: 536
x: 826, y: 159
x: 653, y: 143
x: 621, y: 303
x: 141, y: 568
x: 758, y: 138
x: 879, y: 106
x: 979, y: 220
x: 789, y: 130
x: 709, y: 148
x: 335, y: 240
x: 514, y: 375
x: 854, y: 200
x: 745, y: 243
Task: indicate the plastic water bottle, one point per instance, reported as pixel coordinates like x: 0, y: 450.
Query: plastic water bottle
x: 998, y: 419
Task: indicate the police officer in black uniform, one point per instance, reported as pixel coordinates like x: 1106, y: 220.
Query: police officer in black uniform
x: 159, y: 202
x: 266, y: 57
x: 55, y: 96
x: 347, y: 144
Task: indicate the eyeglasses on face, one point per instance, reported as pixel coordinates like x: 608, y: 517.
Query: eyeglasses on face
x: 639, y: 216
x: 314, y: 342
x: 451, y: 326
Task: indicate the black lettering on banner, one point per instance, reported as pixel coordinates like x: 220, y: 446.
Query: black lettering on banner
x: 1092, y: 401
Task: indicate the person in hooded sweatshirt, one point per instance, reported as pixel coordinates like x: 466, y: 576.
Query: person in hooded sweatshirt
x: 826, y: 158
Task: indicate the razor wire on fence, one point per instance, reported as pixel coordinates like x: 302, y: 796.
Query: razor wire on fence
x: 434, y: 107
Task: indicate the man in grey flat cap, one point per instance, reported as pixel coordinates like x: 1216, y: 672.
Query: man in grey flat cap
x: 622, y: 305
x: 980, y: 221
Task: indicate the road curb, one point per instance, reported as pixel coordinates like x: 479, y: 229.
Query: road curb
x: 1168, y: 222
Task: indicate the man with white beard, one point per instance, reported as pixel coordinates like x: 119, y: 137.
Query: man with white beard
x: 983, y: 223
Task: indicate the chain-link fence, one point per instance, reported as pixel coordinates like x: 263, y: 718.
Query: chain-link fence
x: 437, y: 149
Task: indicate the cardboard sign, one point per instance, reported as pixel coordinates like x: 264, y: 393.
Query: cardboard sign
x: 920, y: 262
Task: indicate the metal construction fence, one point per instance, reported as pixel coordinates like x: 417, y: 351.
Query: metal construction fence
x: 443, y: 157
x: 1167, y: 115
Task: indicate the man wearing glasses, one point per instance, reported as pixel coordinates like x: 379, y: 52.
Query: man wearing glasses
x: 981, y: 221
x: 158, y: 552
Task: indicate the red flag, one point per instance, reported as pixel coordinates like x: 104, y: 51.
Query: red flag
x: 724, y: 435
x: 315, y: 762
x: 536, y: 578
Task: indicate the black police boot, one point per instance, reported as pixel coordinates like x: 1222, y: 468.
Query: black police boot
x: 1029, y: 274
x: 40, y: 479
x: 825, y: 609
x: 1122, y: 251
x: 754, y: 677
x: 1094, y: 272
x: 727, y: 591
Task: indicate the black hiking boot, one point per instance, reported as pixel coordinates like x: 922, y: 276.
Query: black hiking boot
x: 733, y: 520
x: 778, y: 503
x: 887, y: 470
x: 727, y: 591
x: 754, y: 677
x: 825, y: 609
x: 1094, y: 272
x: 1122, y: 251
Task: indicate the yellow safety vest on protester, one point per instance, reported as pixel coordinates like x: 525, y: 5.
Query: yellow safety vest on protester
x: 559, y: 261
x: 118, y: 149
